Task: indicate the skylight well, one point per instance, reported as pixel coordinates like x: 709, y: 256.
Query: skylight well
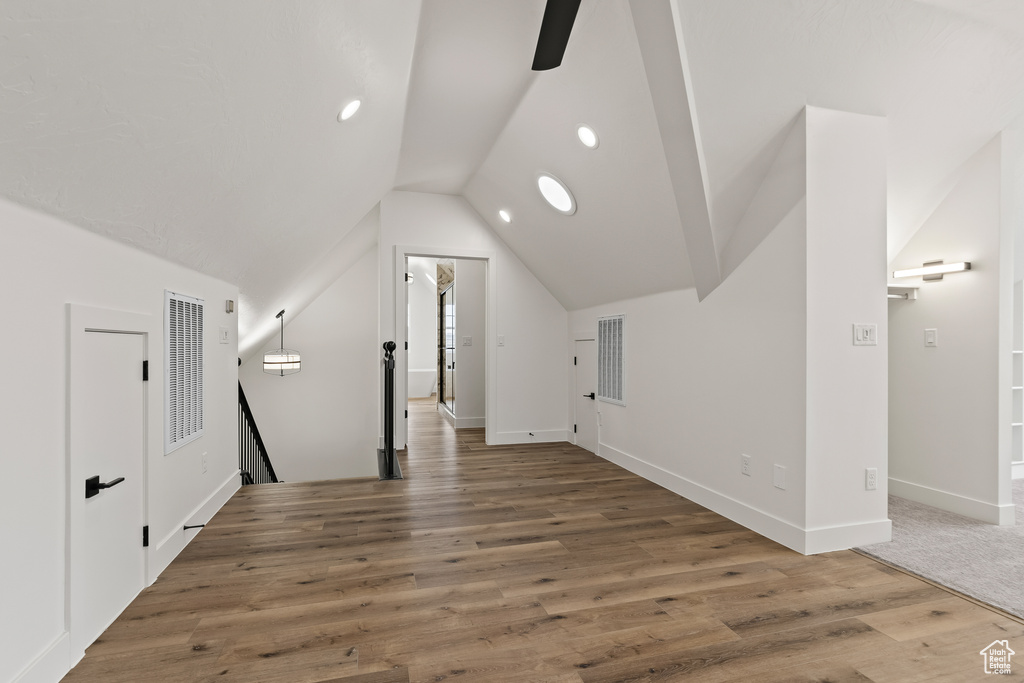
x: 556, y: 193
x: 349, y: 110
x: 588, y: 136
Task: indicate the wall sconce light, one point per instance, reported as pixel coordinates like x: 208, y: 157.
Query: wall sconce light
x: 281, y: 361
x: 229, y: 306
x: 933, y: 270
x: 408, y: 278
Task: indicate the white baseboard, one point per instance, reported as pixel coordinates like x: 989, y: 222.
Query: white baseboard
x: 807, y: 542
x: 990, y: 513
x: 460, y: 422
x: 446, y: 413
x: 174, y: 542
x: 541, y: 436
x: 51, y: 665
x: 827, y: 539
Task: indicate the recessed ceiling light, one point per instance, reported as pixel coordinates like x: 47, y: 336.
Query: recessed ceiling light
x: 505, y: 216
x: 556, y: 193
x: 349, y: 110
x: 587, y: 136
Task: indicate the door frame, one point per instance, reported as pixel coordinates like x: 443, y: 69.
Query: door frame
x: 578, y: 337
x: 400, y: 312
x: 442, y: 384
x: 82, y: 320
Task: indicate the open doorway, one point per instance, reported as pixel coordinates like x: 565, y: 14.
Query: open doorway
x: 422, y: 327
x: 446, y: 348
x: 446, y: 334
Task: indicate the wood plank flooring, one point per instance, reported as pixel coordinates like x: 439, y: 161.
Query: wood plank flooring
x: 533, y: 562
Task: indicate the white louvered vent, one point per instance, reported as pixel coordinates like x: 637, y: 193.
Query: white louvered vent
x: 610, y: 375
x: 183, y: 376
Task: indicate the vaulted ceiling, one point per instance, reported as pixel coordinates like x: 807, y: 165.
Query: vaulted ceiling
x: 207, y: 132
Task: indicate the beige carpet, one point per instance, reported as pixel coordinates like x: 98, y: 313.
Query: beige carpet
x: 981, y: 560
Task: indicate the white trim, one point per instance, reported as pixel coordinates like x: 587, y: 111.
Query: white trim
x: 1003, y: 515
x: 542, y: 436
x: 52, y: 664
x: 1018, y: 470
x: 828, y: 539
x: 161, y: 555
x: 460, y: 422
x: 788, y: 534
x: 587, y: 334
x: 81, y: 319
x: 401, y: 303
x: 446, y: 413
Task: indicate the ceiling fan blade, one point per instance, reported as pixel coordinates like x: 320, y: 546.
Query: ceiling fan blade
x: 555, y: 28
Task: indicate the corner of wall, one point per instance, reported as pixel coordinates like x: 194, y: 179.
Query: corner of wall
x: 163, y: 553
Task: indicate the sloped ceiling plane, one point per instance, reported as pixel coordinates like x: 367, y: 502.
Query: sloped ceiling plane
x: 208, y: 132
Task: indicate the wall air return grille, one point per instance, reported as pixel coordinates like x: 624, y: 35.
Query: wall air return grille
x: 610, y: 370
x: 183, y: 377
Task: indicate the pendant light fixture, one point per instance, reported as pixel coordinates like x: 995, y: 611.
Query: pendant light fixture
x: 281, y: 361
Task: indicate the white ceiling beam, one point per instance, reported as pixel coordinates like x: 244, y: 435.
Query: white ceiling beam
x: 660, y: 36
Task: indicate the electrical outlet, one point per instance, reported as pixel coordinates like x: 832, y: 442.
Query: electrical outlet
x: 204, y: 461
x: 871, y: 479
x: 745, y: 463
x: 780, y: 477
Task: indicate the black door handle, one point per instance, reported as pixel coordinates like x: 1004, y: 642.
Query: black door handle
x: 93, y: 485
x: 590, y: 395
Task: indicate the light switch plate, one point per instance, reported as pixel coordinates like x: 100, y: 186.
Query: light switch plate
x: 501, y: 340
x: 467, y: 341
x: 224, y: 336
x: 931, y: 337
x: 865, y: 335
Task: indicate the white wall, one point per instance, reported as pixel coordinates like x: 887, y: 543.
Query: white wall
x: 846, y: 275
x: 527, y: 377
x: 321, y: 423
x: 44, y: 265
x: 470, y: 312
x: 704, y: 385
x: 423, y: 327
x: 765, y: 366
x: 948, y: 405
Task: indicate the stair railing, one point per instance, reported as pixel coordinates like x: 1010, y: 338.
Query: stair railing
x: 253, y: 461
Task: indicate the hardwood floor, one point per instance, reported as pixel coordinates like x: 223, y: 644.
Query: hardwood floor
x: 523, y: 563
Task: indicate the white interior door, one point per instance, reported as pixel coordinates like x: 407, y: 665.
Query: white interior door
x: 107, y: 440
x: 586, y: 393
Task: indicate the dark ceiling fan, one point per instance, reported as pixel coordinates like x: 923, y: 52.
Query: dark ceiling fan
x: 555, y: 28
